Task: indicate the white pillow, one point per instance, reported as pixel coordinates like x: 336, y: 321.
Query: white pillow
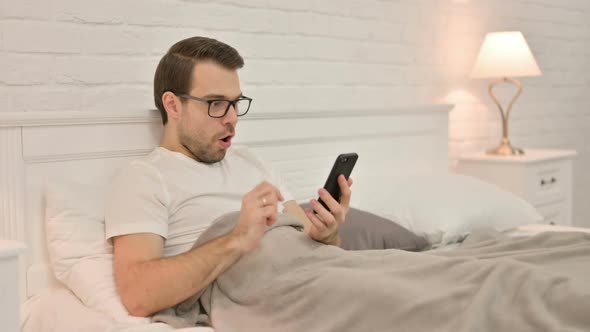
x: 80, y: 256
x: 447, y: 207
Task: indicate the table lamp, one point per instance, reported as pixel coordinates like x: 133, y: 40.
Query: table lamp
x: 504, y: 55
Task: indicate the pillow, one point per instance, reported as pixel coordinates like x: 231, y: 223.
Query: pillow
x: 80, y: 256
x: 447, y: 207
x: 363, y: 230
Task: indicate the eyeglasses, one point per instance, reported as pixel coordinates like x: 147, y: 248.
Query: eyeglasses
x: 218, y: 108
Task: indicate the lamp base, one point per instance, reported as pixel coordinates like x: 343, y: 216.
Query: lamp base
x: 505, y: 149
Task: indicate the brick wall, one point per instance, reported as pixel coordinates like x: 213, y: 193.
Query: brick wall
x: 313, y: 55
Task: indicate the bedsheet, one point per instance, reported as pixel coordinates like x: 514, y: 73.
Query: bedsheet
x: 521, y: 231
x: 58, y: 310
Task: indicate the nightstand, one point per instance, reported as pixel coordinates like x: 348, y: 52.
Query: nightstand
x: 9, y: 285
x: 541, y: 177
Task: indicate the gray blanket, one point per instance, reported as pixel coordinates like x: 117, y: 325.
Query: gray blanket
x: 491, y: 283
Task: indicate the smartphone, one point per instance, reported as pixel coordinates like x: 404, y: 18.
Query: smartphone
x: 343, y: 165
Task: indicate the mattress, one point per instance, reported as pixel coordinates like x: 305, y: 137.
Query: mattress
x: 58, y: 310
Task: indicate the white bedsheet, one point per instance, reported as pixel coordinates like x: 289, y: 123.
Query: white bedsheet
x: 524, y: 230
x: 58, y: 310
x: 532, y: 229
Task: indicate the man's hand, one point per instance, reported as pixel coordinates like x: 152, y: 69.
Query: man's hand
x: 258, y: 212
x: 325, y: 224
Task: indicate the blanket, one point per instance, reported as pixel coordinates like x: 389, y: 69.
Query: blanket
x: 491, y: 283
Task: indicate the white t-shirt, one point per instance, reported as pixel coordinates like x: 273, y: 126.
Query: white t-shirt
x: 176, y: 197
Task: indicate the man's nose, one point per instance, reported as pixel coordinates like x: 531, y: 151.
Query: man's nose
x: 231, y: 116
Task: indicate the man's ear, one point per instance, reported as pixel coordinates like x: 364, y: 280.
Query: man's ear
x: 172, y: 105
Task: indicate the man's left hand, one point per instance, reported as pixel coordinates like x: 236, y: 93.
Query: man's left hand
x: 325, y: 224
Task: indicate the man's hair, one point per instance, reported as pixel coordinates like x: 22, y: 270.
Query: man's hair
x: 174, y: 72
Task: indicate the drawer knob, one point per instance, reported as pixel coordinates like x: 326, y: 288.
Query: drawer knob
x: 552, y: 223
x: 551, y: 181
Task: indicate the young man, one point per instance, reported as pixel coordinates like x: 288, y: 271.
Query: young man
x: 160, y: 204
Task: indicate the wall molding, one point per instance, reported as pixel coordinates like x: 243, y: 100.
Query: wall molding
x: 68, y: 118
x: 85, y: 156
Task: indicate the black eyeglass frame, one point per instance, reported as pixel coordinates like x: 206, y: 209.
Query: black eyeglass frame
x: 210, y: 101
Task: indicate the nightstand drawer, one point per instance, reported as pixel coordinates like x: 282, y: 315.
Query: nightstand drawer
x: 541, y: 177
x: 548, y: 183
x: 554, y: 213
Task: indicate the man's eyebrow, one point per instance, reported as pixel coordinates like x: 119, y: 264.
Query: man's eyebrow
x: 218, y: 96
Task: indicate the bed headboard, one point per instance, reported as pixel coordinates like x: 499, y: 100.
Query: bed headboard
x: 89, y: 147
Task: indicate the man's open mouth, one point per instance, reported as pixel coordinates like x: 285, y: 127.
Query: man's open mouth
x: 227, y: 138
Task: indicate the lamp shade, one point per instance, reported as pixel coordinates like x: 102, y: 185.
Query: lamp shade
x: 505, y: 54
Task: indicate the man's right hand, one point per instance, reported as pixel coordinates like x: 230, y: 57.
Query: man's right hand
x: 258, y: 212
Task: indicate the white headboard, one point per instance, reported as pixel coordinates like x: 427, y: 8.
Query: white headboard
x: 89, y: 147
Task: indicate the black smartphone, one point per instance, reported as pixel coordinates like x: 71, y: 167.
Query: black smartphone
x: 343, y: 165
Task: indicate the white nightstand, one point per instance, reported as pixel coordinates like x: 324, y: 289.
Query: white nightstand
x: 541, y: 177
x: 9, y: 285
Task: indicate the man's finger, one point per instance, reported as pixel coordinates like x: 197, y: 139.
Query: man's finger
x: 270, y: 214
x: 315, y: 221
x: 266, y: 188
x: 279, y: 195
x: 325, y: 216
x: 332, y: 203
x: 266, y: 191
x: 269, y: 211
x: 345, y: 191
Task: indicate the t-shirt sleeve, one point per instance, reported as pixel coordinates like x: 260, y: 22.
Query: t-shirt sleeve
x: 137, y: 202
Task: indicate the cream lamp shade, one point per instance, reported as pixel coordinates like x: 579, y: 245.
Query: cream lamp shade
x: 504, y: 55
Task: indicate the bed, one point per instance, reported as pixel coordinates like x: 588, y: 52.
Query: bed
x: 37, y: 147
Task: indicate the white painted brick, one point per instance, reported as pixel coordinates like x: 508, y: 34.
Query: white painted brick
x: 400, y: 11
x: 321, y: 73
x: 50, y: 37
x: 346, y: 28
x: 290, y: 5
x: 419, y: 75
x: 24, y: 9
x: 26, y: 69
x: 383, y: 10
x: 1, y: 36
x: 26, y: 36
x: 299, y: 47
x: 414, y: 33
x: 302, y: 5
x: 580, y: 5
x: 69, y: 98
x: 110, y: 12
x: 551, y: 13
x: 104, y: 70
x: 219, y: 17
x: 320, y: 98
x: 346, y: 8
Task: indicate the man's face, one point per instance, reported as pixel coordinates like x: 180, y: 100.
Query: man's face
x: 207, y: 137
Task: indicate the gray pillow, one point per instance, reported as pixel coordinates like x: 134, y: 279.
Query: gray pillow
x: 363, y: 230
